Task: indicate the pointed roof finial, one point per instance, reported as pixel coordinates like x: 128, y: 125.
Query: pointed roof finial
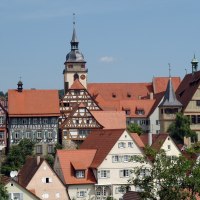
x: 169, y: 70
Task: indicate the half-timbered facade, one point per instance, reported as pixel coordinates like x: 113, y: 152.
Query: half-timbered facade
x: 34, y: 114
x: 76, y: 119
x: 3, y: 124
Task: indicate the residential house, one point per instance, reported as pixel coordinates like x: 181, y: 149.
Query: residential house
x: 37, y: 176
x: 16, y: 191
x: 34, y: 114
x: 112, y: 164
x: 73, y: 167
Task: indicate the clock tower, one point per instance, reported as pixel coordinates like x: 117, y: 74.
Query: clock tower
x: 75, y: 65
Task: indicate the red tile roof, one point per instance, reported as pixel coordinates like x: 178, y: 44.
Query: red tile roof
x: 29, y: 169
x: 187, y: 88
x: 104, y: 141
x: 33, y: 103
x: 110, y: 119
x: 137, y: 140
x: 71, y: 160
x: 160, y: 83
x: 77, y: 85
x: 134, y: 105
x: 119, y: 91
x: 157, y: 140
x: 131, y: 196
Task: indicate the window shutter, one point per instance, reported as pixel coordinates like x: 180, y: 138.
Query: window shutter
x: 99, y: 174
x: 129, y: 172
x: 78, y: 194
x: 21, y: 196
x: 121, y: 173
x: 50, y: 180
x: 121, y: 158
x: 116, y: 190
x: 113, y: 158
x: 43, y: 180
x: 108, y: 173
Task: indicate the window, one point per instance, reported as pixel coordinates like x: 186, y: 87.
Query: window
x: 116, y: 158
x: 140, y: 112
x: 76, y: 92
x: 198, y: 119
x: 120, y: 189
x: 66, y: 104
x: 113, y: 95
x: 14, y: 121
x: 128, y: 112
x: 38, y: 149
x: 28, y: 134
x: 126, y: 158
x: 124, y: 173
x: 49, y: 134
x: 105, y: 174
x: 35, y: 121
x: 16, y: 135
x: 82, y: 66
x: 50, y: 149
x: 168, y: 147
x: 142, y: 122
x: 45, y: 121
x: 80, y: 174
x: 77, y: 121
x: 47, y: 180
x: 130, y: 144
x: 45, y: 196
x: 157, y: 122
x: 57, y: 195
x: 198, y: 103
x: 1, y: 120
x: 39, y: 134
x: 1, y: 135
x: 16, y: 196
x: 193, y: 119
x: 128, y: 95
x: 81, y: 193
x: 53, y: 121
x: 24, y: 121
x: 70, y: 66
x: 122, y: 145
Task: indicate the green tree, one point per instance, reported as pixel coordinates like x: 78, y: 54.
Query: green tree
x: 135, y: 128
x: 17, y: 156
x: 167, y: 178
x: 3, y: 192
x: 181, y: 128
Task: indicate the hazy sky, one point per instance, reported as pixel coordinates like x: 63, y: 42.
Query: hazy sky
x: 122, y: 40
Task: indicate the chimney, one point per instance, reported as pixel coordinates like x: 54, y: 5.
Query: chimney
x: 150, y: 136
x: 151, y: 95
x: 38, y: 160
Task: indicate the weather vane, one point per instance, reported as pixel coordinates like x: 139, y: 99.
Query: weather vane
x: 169, y: 69
x: 74, y: 19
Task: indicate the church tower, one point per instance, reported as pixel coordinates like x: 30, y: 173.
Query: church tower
x: 168, y: 107
x: 194, y: 63
x: 75, y: 65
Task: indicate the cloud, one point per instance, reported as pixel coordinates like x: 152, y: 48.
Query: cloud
x: 107, y: 59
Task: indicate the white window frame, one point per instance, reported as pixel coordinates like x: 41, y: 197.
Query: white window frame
x: 80, y: 174
x: 116, y: 158
x: 104, y: 173
x: 124, y: 173
x: 130, y: 144
x: 45, y: 121
x: 126, y: 158
x: 121, y: 145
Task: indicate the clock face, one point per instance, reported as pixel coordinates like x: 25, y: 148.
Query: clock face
x: 82, y: 76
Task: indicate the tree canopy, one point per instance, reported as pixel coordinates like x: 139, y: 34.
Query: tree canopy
x: 3, y: 192
x: 135, y: 128
x: 181, y: 128
x: 17, y: 156
x: 168, y: 178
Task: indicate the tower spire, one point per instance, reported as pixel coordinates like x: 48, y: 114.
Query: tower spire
x: 194, y: 63
x: 169, y: 70
x: 74, y: 41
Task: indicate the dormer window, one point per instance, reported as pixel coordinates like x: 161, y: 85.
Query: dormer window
x: 139, y: 111
x: 128, y: 95
x: 127, y: 111
x: 80, y: 174
x: 113, y: 95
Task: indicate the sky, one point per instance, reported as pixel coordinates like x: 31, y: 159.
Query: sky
x: 121, y: 40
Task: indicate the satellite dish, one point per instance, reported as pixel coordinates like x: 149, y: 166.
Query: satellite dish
x: 13, y: 174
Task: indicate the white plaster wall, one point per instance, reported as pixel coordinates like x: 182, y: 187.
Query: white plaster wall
x: 88, y: 189
x: 12, y: 187
x: 52, y: 188
x: 115, y: 168
x: 173, y: 151
x: 153, y: 117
